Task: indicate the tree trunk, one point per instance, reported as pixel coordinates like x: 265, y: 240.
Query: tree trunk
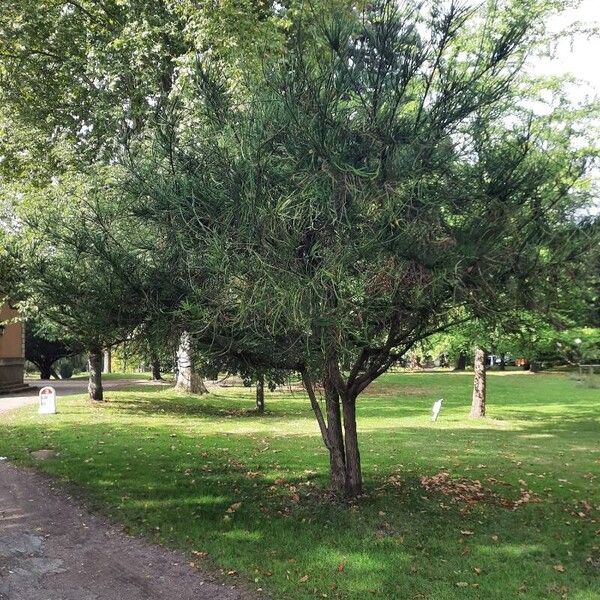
x: 45, y: 370
x: 335, y: 435
x: 187, y: 379
x: 95, y: 369
x: 155, y: 364
x: 461, y: 362
x: 260, y: 394
x: 340, y: 440
x: 503, y: 361
x: 353, y: 469
x: 107, y: 361
x: 479, y: 384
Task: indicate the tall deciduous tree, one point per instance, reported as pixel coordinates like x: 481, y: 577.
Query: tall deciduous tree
x: 380, y: 179
x: 80, y: 81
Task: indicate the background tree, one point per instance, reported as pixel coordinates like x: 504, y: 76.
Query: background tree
x: 479, y: 383
x: 251, y: 375
x: 82, y: 80
x: 44, y: 347
x: 76, y: 269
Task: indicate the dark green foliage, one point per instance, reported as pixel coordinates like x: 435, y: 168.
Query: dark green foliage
x: 378, y: 179
x: 378, y: 184
x: 44, y: 348
x: 65, y: 369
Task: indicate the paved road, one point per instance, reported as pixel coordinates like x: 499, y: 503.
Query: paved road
x: 63, y: 387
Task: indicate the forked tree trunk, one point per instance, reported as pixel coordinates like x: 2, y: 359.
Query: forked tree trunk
x: 187, y: 379
x: 461, y: 362
x: 260, y: 394
x: 45, y: 370
x: 95, y: 369
x: 155, y: 364
x: 340, y: 437
x: 479, y: 384
x: 107, y: 361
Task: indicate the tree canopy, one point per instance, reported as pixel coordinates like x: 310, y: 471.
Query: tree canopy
x: 381, y: 178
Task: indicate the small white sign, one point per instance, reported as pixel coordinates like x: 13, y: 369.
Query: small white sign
x: 47, y: 401
x: 435, y: 410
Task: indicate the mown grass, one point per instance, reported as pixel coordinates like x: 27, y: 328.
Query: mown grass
x: 170, y: 467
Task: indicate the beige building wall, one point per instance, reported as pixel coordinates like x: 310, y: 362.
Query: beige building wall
x: 12, y: 351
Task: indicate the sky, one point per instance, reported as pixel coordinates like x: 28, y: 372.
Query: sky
x: 582, y: 57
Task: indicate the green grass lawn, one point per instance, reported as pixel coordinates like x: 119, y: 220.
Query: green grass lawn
x: 175, y: 468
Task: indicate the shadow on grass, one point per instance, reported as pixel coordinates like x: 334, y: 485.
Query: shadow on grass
x: 229, y: 404
x: 150, y: 402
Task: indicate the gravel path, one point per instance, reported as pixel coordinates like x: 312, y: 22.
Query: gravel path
x: 53, y: 549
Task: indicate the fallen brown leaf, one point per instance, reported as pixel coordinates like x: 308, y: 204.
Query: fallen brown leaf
x: 234, y: 507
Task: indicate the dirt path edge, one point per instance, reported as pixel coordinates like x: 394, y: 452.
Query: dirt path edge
x: 52, y: 547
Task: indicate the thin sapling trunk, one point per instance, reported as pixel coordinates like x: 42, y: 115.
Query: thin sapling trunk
x: 260, y: 394
x: 107, y: 360
x: 155, y: 364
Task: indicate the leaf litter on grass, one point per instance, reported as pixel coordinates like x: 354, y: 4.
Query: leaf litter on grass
x: 471, y: 492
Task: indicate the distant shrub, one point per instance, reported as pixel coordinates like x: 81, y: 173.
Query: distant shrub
x: 65, y: 370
